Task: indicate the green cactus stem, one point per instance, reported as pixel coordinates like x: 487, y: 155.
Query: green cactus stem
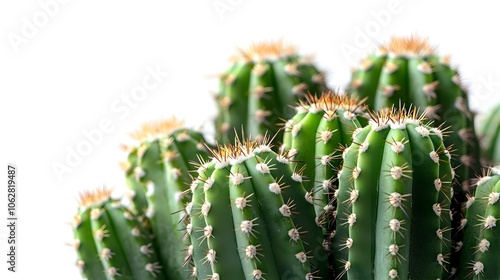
x: 257, y: 90
x: 408, y: 71
x: 481, y: 245
x: 314, y: 138
x: 111, y: 241
x: 158, y: 177
x: 251, y: 219
x: 393, y: 202
x: 489, y: 135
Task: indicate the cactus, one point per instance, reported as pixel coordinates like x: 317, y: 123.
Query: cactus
x: 489, y: 136
x: 481, y: 244
x: 251, y: 218
x: 314, y: 136
x: 393, y: 202
x: 258, y: 88
x: 111, y: 241
x: 157, y: 174
x: 408, y: 71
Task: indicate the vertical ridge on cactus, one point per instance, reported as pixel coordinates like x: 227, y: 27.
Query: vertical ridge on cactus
x: 158, y: 174
x: 250, y: 217
x: 393, y: 204
x: 111, y: 241
x: 481, y: 235
x: 258, y: 88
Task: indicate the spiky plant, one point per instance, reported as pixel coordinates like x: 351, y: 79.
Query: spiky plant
x: 393, y: 210
x: 157, y: 172
x: 481, y: 245
x: 111, y: 241
x: 489, y: 135
x: 251, y: 218
x: 258, y: 88
x: 408, y: 71
x: 314, y: 137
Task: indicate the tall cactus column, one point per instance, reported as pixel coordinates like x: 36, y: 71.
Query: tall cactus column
x: 259, y: 88
x: 314, y: 137
x: 158, y: 175
x: 408, y: 71
x: 251, y: 218
x: 393, y: 211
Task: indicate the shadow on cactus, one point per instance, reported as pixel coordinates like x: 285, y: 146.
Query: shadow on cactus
x: 393, y: 202
x: 259, y: 88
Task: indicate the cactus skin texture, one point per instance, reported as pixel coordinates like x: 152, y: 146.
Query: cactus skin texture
x: 259, y: 88
x: 251, y: 218
x: 158, y: 177
x: 409, y: 72
x: 481, y: 245
x: 393, y: 217
x: 111, y: 241
x: 314, y: 138
x: 489, y: 136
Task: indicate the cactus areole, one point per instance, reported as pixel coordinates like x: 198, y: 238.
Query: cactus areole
x: 259, y: 88
x: 393, y: 202
x: 251, y: 218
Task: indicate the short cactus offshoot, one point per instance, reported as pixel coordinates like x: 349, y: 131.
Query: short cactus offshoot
x: 393, y: 210
x: 481, y: 244
x: 111, y: 241
x: 251, y: 218
x: 259, y: 88
x: 314, y: 137
x: 158, y: 176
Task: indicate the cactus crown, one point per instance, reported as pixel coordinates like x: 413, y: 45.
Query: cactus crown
x: 87, y: 198
x: 271, y: 50
x: 330, y: 102
x: 408, y: 46
x: 156, y: 129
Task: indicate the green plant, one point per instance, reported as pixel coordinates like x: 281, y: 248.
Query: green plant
x: 157, y: 172
x: 393, y: 203
x: 408, y: 71
x: 258, y: 88
x: 111, y: 241
x: 314, y: 136
x: 489, y: 136
x: 251, y: 218
x: 481, y: 235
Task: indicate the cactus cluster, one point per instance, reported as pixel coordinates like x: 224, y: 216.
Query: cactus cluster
x: 374, y: 183
x: 260, y: 86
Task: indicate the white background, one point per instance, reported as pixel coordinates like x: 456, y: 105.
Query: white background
x: 64, y: 77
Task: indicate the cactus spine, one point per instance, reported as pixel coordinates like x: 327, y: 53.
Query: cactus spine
x: 261, y: 84
x: 393, y: 211
x: 111, y: 241
x: 251, y: 218
x: 157, y: 174
x: 314, y: 136
x: 481, y: 235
